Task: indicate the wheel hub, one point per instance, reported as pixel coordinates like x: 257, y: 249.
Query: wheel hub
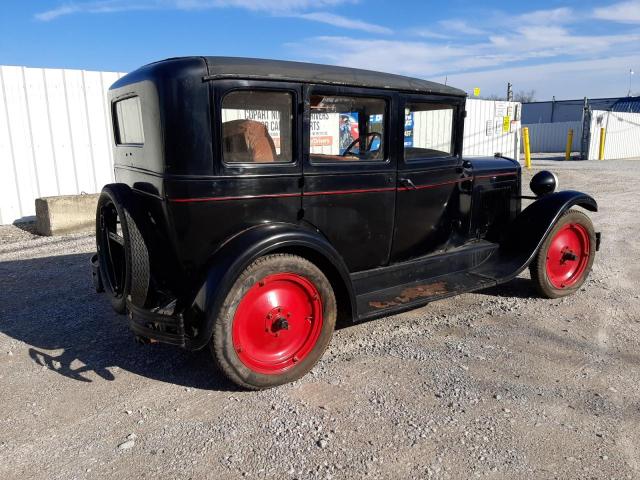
x: 276, y: 320
x: 277, y: 323
x: 568, y: 256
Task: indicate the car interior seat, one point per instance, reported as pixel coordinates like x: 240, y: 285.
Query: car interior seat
x: 248, y: 141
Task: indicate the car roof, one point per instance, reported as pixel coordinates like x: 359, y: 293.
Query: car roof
x: 280, y: 70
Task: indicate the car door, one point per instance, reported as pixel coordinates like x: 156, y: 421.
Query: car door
x: 430, y: 174
x: 258, y: 169
x: 349, y: 188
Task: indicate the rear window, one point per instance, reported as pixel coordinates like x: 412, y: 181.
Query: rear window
x: 128, y: 116
x: 257, y: 127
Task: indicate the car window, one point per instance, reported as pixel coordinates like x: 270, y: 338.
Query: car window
x: 428, y: 130
x: 257, y: 127
x: 128, y: 115
x: 346, y: 129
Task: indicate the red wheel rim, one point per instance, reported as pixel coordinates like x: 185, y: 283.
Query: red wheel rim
x: 568, y: 255
x: 277, y: 323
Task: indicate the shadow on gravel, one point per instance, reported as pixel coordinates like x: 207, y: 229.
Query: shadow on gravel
x: 49, y: 303
x: 27, y: 224
x: 516, y: 288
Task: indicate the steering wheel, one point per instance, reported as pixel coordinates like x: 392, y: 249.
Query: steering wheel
x: 373, y: 135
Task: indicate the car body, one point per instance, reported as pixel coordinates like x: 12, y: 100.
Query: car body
x: 223, y: 161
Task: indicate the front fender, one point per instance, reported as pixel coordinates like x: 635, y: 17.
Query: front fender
x: 231, y: 259
x: 529, y: 230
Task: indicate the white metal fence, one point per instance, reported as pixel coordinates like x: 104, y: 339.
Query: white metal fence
x: 622, y: 138
x: 552, y: 137
x: 492, y: 127
x: 54, y: 136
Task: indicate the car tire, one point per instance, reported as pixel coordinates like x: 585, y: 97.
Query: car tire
x: 275, y: 322
x: 565, y: 258
x: 124, y: 262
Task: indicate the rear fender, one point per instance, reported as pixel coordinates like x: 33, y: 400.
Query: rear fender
x: 230, y: 260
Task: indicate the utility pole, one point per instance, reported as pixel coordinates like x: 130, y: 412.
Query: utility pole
x: 631, y: 73
x: 509, y: 92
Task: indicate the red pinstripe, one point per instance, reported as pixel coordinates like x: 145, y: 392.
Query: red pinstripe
x: 335, y: 192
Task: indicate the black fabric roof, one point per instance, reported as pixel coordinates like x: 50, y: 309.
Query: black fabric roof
x: 235, y: 67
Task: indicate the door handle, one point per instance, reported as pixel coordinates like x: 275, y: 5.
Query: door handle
x: 407, y: 183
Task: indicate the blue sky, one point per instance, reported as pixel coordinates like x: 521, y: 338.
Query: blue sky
x: 568, y: 49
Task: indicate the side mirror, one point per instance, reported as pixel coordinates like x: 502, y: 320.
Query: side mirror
x: 543, y: 183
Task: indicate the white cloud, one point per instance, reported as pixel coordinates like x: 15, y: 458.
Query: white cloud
x: 277, y: 7
x: 454, y: 46
x: 344, y: 22
x: 623, y: 12
x: 550, y: 41
x: 602, y: 77
x: 429, y: 33
x: 498, y: 21
x: 427, y: 58
x: 457, y: 26
x: 106, y: 6
x: 555, y: 51
x: 546, y: 17
x: 414, y: 58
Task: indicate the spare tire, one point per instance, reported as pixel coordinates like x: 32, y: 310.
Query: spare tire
x: 122, y: 253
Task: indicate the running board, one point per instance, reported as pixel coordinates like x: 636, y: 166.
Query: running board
x: 387, y: 290
x: 412, y: 295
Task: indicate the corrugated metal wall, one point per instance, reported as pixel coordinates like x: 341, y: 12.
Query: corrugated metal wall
x: 622, y: 134
x: 563, y: 110
x: 483, y: 128
x: 552, y: 137
x: 54, y: 136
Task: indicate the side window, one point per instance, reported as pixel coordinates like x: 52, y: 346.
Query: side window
x: 428, y: 130
x: 347, y: 129
x: 128, y: 122
x: 257, y: 127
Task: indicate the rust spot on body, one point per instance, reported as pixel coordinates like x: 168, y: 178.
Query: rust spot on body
x: 413, y: 293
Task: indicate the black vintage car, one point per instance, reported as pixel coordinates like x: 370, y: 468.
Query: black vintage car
x: 259, y: 201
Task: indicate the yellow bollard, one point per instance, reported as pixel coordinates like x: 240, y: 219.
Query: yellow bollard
x: 603, y: 137
x: 527, y: 147
x: 567, y: 153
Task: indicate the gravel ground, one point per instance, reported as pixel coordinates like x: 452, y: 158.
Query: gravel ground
x: 496, y: 384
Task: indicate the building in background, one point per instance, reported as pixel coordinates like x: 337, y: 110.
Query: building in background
x: 558, y: 111
x: 549, y: 124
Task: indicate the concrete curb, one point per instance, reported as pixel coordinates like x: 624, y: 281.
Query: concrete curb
x: 66, y: 214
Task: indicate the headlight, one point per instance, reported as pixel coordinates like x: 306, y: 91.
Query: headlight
x: 544, y: 183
